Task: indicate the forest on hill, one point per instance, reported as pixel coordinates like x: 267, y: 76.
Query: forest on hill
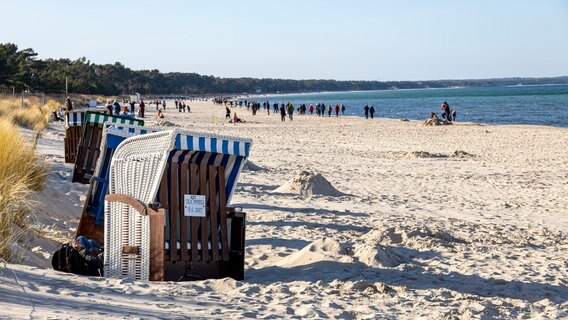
x: 21, y: 70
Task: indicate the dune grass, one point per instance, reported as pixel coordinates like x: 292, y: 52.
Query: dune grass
x: 21, y: 171
x: 34, y: 115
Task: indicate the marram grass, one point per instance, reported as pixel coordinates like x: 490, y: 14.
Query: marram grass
x: 21, y: 172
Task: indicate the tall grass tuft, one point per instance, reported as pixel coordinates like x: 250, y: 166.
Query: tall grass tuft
x: 21, y: 171
x: 33, y: 116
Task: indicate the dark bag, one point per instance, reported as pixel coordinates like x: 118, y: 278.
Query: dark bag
x: 83, y: 262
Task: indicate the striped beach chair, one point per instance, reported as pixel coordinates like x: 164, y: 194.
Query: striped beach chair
x: 73, y: 131
x: 207, y: 243
x: 91, y: 221
x: 88, y: 150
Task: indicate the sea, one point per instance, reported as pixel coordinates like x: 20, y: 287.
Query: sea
x: 532, y: 105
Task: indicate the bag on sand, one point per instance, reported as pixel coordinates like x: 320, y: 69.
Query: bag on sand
x: 82, y: 262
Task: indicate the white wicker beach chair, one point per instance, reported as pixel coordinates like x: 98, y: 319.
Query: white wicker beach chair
x: 136, y: 171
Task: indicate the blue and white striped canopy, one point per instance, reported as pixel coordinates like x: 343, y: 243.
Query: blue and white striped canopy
x: 74, y: 118
x: 213, y: 144
x: 195, y: 147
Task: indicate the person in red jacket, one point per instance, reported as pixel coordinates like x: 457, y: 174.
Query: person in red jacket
x: 337, y: 110
x: 141, y: 108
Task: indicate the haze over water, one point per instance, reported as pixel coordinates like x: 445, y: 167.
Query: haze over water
x: 536, y: 105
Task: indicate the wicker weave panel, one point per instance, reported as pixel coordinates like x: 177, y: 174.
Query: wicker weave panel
x: 136, y: 170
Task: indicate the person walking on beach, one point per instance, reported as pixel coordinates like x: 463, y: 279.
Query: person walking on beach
x: 290, y: 111
x: 337, y: 110
x: 164, y: 104
x: 141, y: 107
x: 68, y: 104
x: 372, y: 111
x: 117, y: 107
x: 342, y: 109
x: 227, y: 113
x: 446, y: 113
x: 366, y: 111
x: 282, y: 113
x: 329, y: 110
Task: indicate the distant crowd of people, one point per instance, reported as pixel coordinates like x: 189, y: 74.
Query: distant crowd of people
x: 284, y: 110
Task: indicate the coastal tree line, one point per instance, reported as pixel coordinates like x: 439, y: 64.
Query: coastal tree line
x: 21, y: 70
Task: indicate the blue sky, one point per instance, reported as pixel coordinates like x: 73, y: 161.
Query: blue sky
x: 309, y: 39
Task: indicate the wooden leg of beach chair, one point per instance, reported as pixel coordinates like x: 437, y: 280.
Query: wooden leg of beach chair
x: 235, y: 267
x: 157, y: 257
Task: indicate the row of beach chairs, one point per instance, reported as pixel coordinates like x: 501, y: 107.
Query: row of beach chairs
x: 158, y: 199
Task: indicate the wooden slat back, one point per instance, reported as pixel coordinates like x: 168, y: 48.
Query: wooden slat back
x: 163, y: 192
x: 194, y: 221
x: 213, y: 212
x: 203, y: 190
x: 88, y: 153
x: 198, y: 237
x: 184, y: 221
x: 72, y: 139
x: 174, y: 211
x: 222, y: 214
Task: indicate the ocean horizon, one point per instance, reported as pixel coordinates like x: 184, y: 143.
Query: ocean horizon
x: 518, y: 104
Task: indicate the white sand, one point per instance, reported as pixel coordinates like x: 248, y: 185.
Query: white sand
x: 453, y: 222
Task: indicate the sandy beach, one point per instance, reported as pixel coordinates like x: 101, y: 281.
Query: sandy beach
x: 465, y: 221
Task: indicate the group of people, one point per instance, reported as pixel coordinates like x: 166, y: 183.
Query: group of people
x: 115, y: 108
x: 287, y: 109
x: 447, y: 113
x: 369, y: 111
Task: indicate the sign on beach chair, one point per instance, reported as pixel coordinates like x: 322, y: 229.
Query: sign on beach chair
x: 73, y: 131
x: 89, y: 148
x: 91, y: 221
x: 197, y: 167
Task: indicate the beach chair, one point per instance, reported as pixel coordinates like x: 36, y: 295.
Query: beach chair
x: 201, y: 173
x: 91, y: 221
x: 73, y: 131
x: 88, y: 149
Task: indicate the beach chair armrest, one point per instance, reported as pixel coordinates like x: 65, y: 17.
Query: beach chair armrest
x: 141, y: 208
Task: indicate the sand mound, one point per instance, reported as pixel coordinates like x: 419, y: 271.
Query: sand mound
x: 250, y: 166
x: 165, y: 123
x: 426, y: 154
x: 371, y: 252
x: 325, y: 249
x: 433, y: 120
x: 307, y: 183
x: 461, y: 154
